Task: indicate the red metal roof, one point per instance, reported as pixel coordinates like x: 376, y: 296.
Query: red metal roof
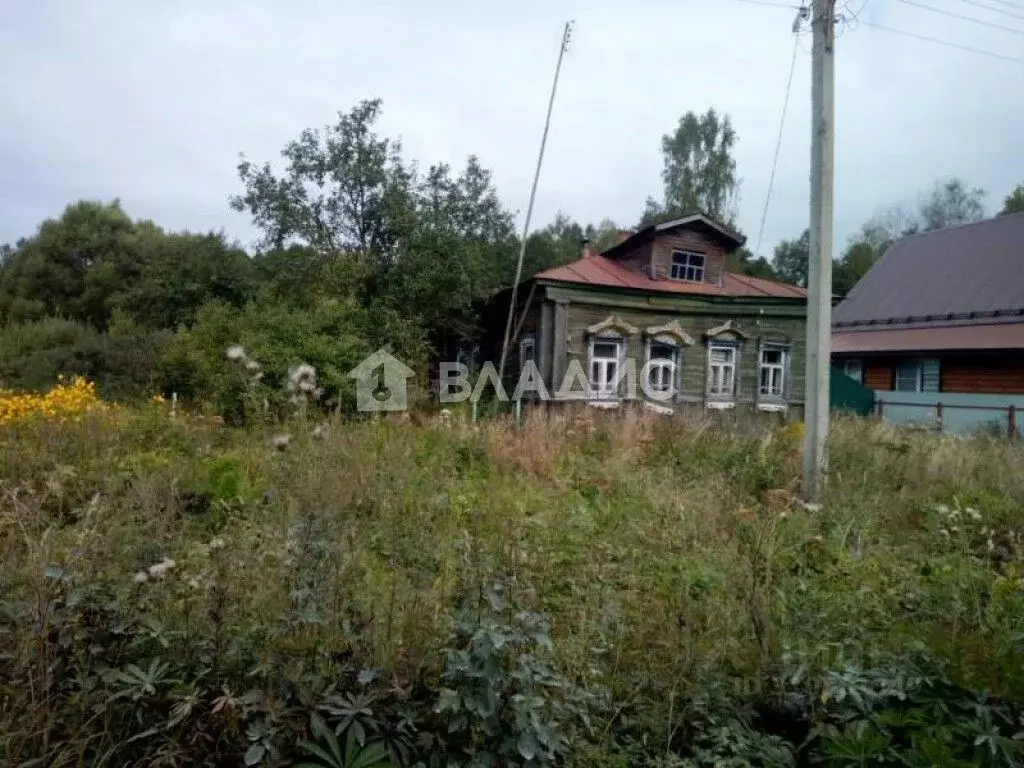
x: 603, y: 272
x: 964, y: 337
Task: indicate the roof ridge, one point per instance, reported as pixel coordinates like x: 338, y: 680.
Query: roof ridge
x: 940, y: 230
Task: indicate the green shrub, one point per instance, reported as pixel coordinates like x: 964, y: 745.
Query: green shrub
x: 125, y: 363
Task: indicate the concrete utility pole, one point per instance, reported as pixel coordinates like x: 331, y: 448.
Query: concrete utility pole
x: 819, y: 273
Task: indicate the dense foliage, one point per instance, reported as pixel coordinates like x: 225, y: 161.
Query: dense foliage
x: 591, y: 590
x: 361, y: 247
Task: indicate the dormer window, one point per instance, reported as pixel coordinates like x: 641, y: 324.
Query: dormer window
x: 688, y: 266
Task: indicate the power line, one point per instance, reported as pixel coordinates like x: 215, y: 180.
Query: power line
x: 778, y: 143
x: 947, y: 43
x: 961, y: 16
x: 1016, y: 5
x: 771, y: 4
x: 994, y: 10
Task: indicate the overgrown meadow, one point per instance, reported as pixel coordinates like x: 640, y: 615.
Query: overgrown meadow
x: 592, y: 589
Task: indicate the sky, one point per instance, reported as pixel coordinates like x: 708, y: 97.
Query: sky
x: 152, y: 102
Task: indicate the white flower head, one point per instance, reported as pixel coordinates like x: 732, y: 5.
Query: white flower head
x: 319, y: 431
x: 280, y: 442
x: 140, y: 577
x: 973, y: 513
x: 302, y: 378
x: 236, y: 353
x: 252, y: 366
x: 159, y: 570
x: 217, y: 542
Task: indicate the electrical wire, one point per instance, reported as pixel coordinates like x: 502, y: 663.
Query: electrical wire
x: 771, y: 4
x: 947, y: 43
x: 778, y: 142
x: 962, y: 17
x: 994, y: 10
x: 1018, y: 6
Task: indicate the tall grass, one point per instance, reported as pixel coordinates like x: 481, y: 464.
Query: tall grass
x: 671, y: 557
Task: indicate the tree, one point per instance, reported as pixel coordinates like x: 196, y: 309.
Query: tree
x: 604, y: 235
x: 949, y: 203
x: 742, y: 261
x: 699, y: 170
x: 343, y: 188
x: 1014, y: 202
x: 856, y: 260
x: 790, y: 259
x: 428, y: 247
x: 179, y: 273
x: 71, y: 267
x: 95, y: 260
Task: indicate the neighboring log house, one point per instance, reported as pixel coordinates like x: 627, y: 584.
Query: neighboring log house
x: 939, y: 312
x: 662, y: 298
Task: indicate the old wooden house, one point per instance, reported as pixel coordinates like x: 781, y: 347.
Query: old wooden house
x: 662, y: 304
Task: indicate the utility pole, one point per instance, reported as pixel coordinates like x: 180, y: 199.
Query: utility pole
x: 819, y: 273
x: 566, y: 39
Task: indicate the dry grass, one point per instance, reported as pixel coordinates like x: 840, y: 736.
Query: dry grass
x: 663, y: 551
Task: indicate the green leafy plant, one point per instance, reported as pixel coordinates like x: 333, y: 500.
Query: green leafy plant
x: 329, y: 754
x: 502, y: 698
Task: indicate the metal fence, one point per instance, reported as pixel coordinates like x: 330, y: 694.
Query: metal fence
x: 953, y: 412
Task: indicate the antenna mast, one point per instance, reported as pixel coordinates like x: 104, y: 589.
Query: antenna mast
x: 566, y: 38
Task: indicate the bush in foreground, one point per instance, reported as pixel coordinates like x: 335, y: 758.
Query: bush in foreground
x: 593, y: 589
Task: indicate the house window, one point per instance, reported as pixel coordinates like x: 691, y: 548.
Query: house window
x: 605, y: 356
x: 854, y: 369
x: 687, y: 265
x: 467, y: 355
x: 773, y: 371
x: 917, y: 375
x: 527, y: 350
x: 721, y: 370
x: 663, y: 359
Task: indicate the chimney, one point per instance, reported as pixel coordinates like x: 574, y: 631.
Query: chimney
x: 587, y: 251
x: 622, y: 236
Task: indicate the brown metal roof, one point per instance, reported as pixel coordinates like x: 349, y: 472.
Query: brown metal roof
x: 963, y: 337
x: 971, y: 271
x: 599, y: 271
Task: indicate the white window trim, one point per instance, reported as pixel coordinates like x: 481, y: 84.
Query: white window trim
x: 782, y: 367
x: 672, y: 364
x: 723, y: 399
x: 602, y: 392
x: 687, y: 266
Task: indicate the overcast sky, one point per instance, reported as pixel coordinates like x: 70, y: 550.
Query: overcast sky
x: 152, y: 101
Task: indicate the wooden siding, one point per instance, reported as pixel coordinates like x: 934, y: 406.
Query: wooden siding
x: 654, y: 257
x: 687, y: 240
x: 789, y: 330
x: 983, y: 374
x: 992, y: 374
x: 878, y: 374
x: 638, y: 258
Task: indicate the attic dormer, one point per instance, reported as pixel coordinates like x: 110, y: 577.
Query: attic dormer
x: 691, y: 249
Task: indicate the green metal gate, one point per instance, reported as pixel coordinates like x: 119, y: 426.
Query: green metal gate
x: 850, y: 396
